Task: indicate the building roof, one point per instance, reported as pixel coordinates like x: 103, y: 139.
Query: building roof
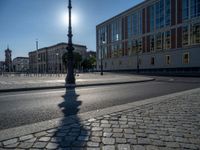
x: 62, y: 43
x: 21, y: 58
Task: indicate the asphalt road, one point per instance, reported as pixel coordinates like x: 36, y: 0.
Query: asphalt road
x: 20, y: 108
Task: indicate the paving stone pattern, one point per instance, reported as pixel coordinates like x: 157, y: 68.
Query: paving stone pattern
x: 168, y: 125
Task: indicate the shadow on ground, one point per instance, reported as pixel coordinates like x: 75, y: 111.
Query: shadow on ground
x: 71, y: 133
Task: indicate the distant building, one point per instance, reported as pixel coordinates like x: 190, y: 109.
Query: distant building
x: 91, y: 54
x: 155, y: 35
x: 2, y: 66
x: 8, y: 60
x: 49, y: 59
x: 21, y: 64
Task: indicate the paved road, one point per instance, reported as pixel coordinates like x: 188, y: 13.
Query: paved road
x: 22, y: 108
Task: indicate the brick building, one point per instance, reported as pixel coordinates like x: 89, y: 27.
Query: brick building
x: 155, y: 35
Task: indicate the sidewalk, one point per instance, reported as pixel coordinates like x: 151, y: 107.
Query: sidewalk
x: 168, y: 122
x: 86, y: 79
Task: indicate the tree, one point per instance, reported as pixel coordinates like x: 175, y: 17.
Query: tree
x: 89, y: 63
x: 77, y: 59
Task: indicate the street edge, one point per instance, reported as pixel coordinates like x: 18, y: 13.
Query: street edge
x: 81, y: 85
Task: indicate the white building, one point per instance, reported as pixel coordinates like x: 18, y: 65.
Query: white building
x: 21, y: 64
x: 49, y: 59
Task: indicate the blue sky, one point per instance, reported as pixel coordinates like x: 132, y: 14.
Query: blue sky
x: 24, y: 21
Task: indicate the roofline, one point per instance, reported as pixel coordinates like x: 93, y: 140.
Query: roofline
x: 21, y: 57
x: 126, y: 11
x: 62, y: 43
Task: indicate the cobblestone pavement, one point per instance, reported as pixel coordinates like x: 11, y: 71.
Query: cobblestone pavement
x: 15, y: 82
x: 167, y: 125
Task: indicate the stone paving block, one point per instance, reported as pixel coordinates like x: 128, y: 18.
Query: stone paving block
x: 51, y: 131
x: 83, y: 138
x: 138, y: 147
x: 143, y: 135
x: 172, y: 144
x: 11, y: 146
x: 93, y: 144
x: 79, y: 143
x: 26, y: 137
x: 130, y: 136
x: 167, y: 138
x: 105, y: 125
x: 40, y: 145
x: 153, y: 136
x: 130, y: 131
x: 44, y: 139
x: 25, y: 145
x: 158, y: 143
x: 124, y: 126
x: 85, y: 132
x: 195, y: 141
x: 31, y: 140
x: 107, y: 134
x: 70, y: 138
x: 60, y: 134
x: 108, y: 147
x: 96, y: 124
x: 95, y: 139
x: 11, y: 141
x: 189, y: 146
x: 182, y: 140
x: 65, y: 144
x: 40, y: 134
x: 151, y: 147
x: 108, y: 141
x: 120, y: 140
x: 144, y: 141
x: 124, y: 147
x: 117, y: 130
x: 115, y: 135
x: 107, y: 129
x: 105, y: 121
x: 115, y: 126
x: 92, y: 148
x: 97, y: 129
x: 132, y: 141
x: 97, y: 133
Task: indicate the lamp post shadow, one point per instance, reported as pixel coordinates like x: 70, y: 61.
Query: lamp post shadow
x: 70, y: 133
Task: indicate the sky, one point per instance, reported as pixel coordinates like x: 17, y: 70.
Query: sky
x: 22, y: 22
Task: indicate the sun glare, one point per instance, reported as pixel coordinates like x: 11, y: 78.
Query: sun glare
x: 65, y: 19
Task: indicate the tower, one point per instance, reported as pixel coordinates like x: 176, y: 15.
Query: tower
x: 8, y: 60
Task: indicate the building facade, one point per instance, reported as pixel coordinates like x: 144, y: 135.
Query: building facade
x: 50, y: 59
x: 21, y: 64
x: 8, y: 60
x: 153, y: 35
x: 2, y: 66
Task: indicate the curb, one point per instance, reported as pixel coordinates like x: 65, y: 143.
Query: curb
x: 80, y: 85
x: 54, y: 123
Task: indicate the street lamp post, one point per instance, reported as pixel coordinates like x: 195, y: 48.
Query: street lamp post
x: 57, y: 64
x: 70, y: 79
x: 101, y: 56
x: 37, y: 55
x: 137, y: 52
